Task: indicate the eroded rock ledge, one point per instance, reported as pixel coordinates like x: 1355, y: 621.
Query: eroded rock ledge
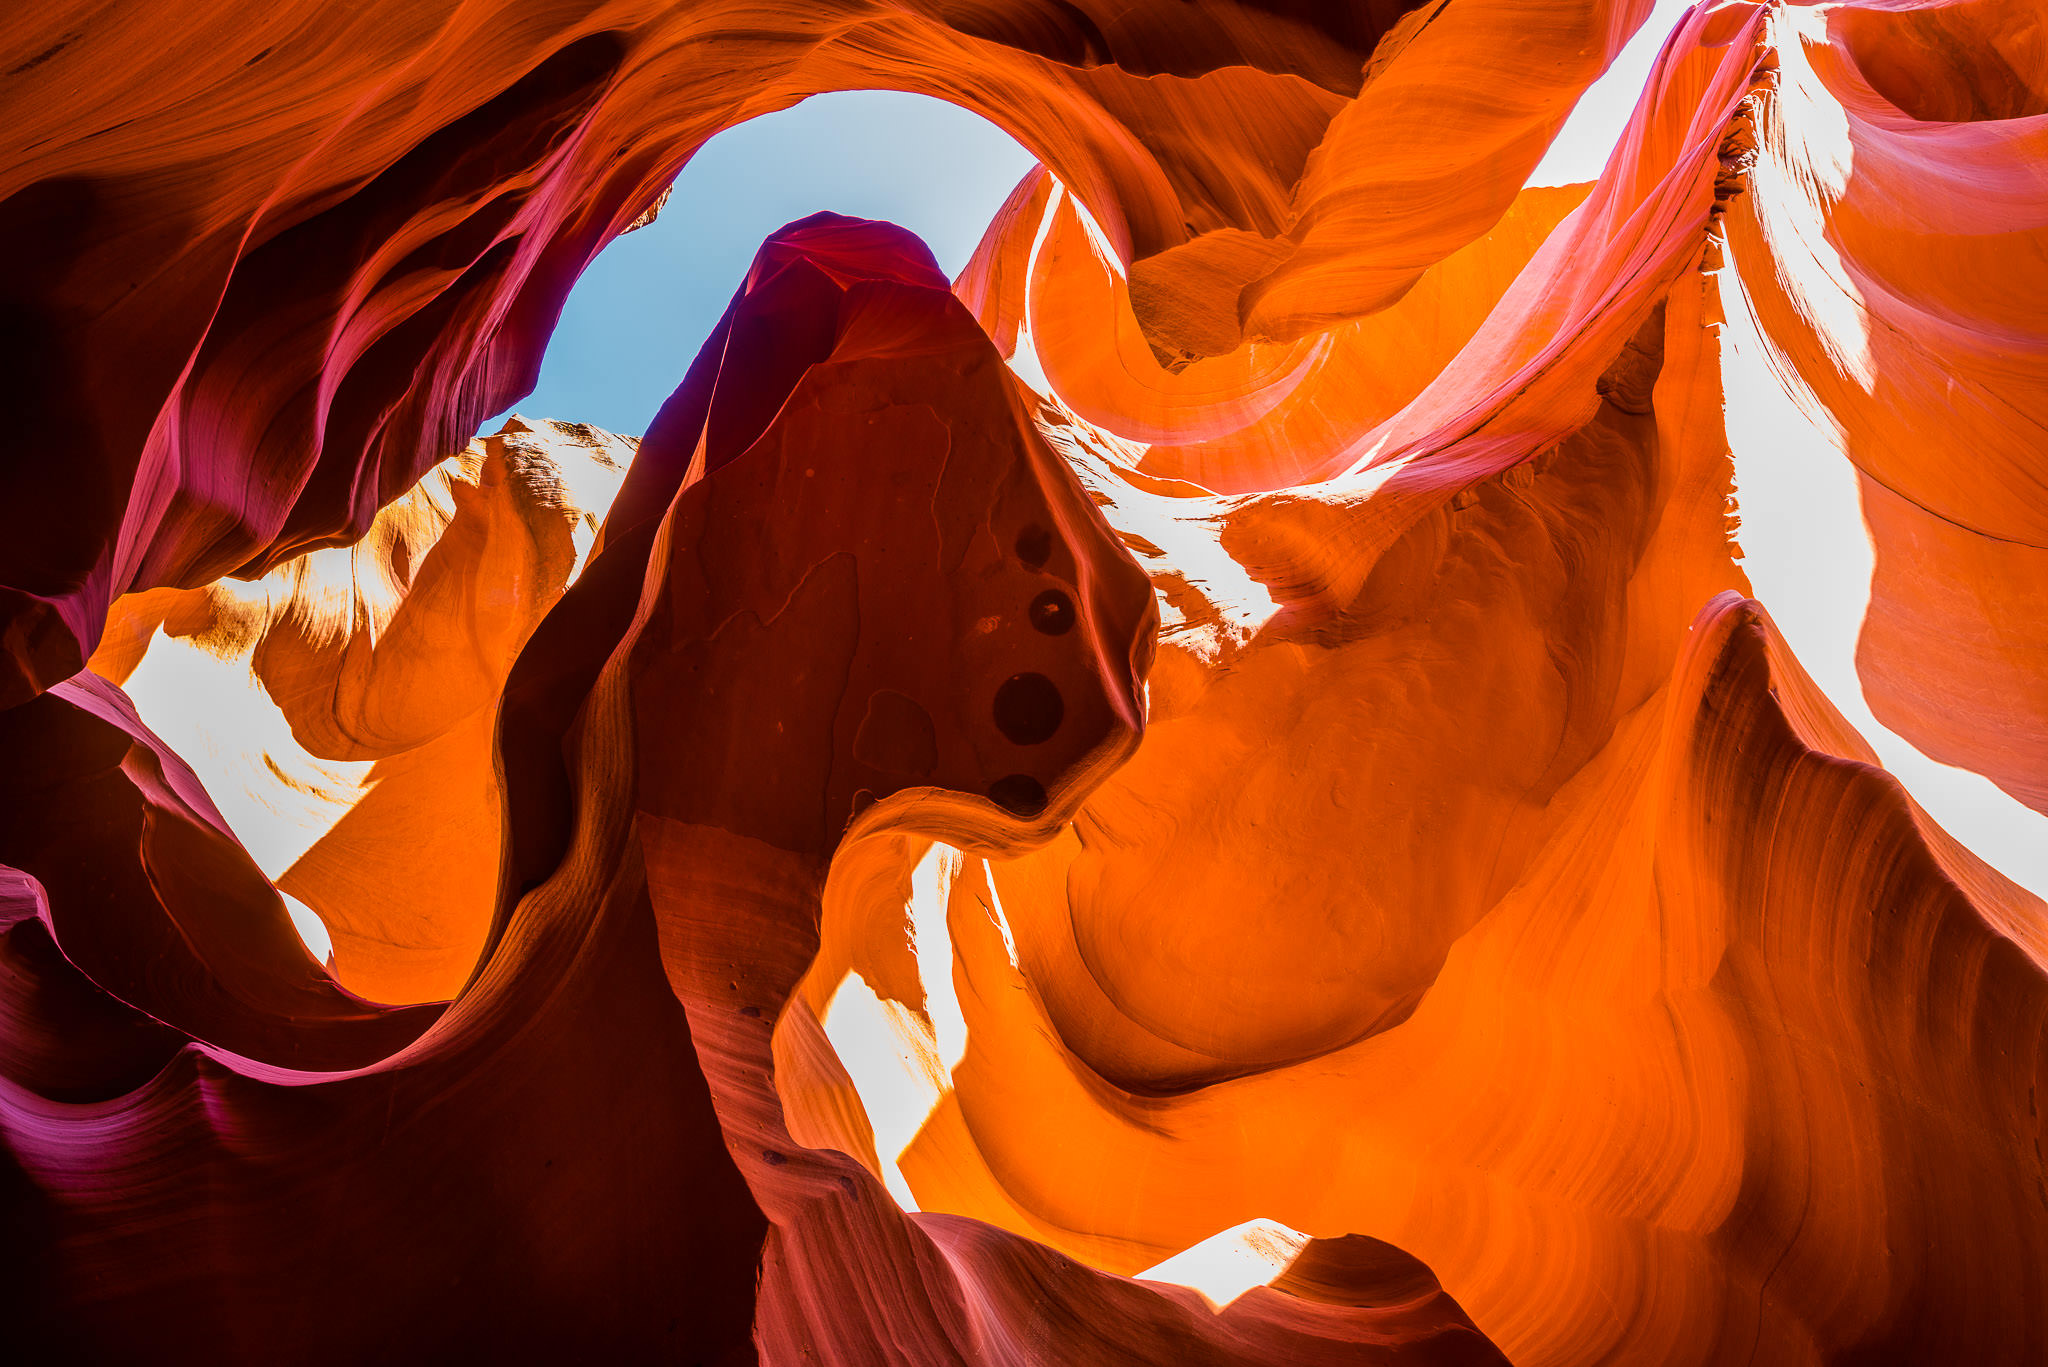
x: 896, y: 866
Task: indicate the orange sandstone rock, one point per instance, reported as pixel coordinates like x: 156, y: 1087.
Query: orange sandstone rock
x: 871, y: 655
x: 313, y: 247
x: 1312, y: 789
x: 1894, y: 251
x: 344, y: 706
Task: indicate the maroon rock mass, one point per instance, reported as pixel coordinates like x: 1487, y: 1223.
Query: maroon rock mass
x: 1297, y: 845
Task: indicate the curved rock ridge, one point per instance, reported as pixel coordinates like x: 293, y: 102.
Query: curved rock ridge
x: 1296, y: 845
x: 1897, y: 255
x: 1465, y: 763
x: 344, y: 705
x: 803, y: 630
x: 1559, y: 268
x: 311, y: 247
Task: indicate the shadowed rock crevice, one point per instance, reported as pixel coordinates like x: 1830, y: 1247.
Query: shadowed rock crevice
x: 1294, y: 845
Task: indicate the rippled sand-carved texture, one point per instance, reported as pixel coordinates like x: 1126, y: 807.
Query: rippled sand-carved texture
x: 896, y: 867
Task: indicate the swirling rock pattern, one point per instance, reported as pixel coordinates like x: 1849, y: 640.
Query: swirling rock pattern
x: 344, y: 704
x: 317, y: 245
x: 1898, y: 263
x: 1317, y: 771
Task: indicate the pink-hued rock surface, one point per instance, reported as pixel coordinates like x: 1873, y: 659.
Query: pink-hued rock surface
x: 896, y: 867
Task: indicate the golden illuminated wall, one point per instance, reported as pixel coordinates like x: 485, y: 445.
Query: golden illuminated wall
x: 1295, y: 845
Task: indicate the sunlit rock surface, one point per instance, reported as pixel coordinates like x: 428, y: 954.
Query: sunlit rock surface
x: 1294, y: 846
x: 343, y: 707
x: 1897, y: 250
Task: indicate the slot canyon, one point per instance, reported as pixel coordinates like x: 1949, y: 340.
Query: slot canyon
x: 1222, y: 785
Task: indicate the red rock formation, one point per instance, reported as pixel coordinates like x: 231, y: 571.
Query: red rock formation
x: 311, y: 248
x: 914, y: 607
x: 1458, y: 874
x: 345, y: 704
x: 1896, y: 257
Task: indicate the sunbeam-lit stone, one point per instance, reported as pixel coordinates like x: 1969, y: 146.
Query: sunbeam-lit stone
x: 1282, y: 836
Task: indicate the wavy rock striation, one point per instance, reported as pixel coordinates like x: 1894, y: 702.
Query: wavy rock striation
x: 322, y: 244
x: 345, y: 704
x: 729, y: 716
x: 897, y: 867
x: 1899, y: 262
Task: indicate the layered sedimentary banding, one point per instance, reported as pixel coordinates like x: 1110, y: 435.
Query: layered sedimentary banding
x: 344, y: 706
x: 1895, y: 255
x: 896, y: 865
x: 318, y: 247
x: 723, y: 740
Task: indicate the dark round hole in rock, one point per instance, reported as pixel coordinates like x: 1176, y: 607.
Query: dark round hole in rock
x: 1029, y: 709
x: 1034, y: 546
x: 1052, y: 612
x: 1018, y: 794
